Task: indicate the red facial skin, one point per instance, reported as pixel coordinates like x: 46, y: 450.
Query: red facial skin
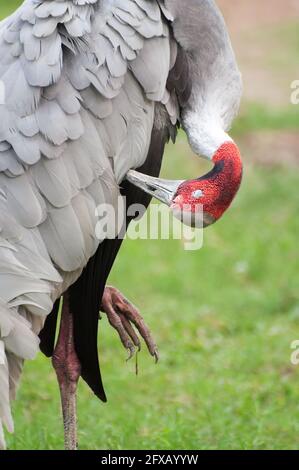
x: 219, y: 186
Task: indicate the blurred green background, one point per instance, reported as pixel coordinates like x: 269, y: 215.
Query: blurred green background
x: 224, y: 316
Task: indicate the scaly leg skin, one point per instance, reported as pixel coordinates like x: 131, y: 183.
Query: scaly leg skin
x: 122, y: 315
x: 68, y: 369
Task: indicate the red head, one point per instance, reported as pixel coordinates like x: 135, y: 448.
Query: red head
x: 212, y: 193
x: 202, y: 201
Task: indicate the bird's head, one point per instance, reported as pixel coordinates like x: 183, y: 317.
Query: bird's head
x: 198, y: 202
x: 211, y: 194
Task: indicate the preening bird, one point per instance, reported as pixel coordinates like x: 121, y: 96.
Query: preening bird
x: 92, y: 91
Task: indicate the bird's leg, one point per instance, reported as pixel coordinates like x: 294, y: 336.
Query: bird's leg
x: 122, y: 315
x: 68, y: 369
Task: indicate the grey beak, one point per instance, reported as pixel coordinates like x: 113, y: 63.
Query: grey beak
x: 163, y: 190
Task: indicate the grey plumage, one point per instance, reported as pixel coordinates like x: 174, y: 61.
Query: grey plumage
x: 82, y: 81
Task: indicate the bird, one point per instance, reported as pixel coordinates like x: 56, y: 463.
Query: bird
x: 92, y: 92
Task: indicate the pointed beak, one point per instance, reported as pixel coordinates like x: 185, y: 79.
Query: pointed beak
x: 163, y: 190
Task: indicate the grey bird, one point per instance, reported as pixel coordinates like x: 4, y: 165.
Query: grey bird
x: 90, y: 92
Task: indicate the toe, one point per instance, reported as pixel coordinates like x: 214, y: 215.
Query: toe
x: 116, y: 322
x: 130, y: 330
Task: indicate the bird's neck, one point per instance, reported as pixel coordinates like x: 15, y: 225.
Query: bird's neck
x: 205, y: 132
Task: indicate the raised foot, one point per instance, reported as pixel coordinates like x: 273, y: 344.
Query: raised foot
x: 123, y: 317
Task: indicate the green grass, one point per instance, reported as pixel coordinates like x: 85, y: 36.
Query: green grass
x: 7, y: 7
x: 224, y: 318
x: 256, y: 117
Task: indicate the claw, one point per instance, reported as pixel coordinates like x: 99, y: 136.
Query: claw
x: 131, y: 352
x: 123, y: 317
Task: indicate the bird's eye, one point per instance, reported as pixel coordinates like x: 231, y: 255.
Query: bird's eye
x: 197, y: 194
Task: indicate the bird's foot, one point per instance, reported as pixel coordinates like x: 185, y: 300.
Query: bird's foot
x: 123, y: 317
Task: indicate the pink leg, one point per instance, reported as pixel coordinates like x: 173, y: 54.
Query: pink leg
x: 68, y: 369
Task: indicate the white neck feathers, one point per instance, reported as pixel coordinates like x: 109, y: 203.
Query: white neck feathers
x: 205, y: 132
